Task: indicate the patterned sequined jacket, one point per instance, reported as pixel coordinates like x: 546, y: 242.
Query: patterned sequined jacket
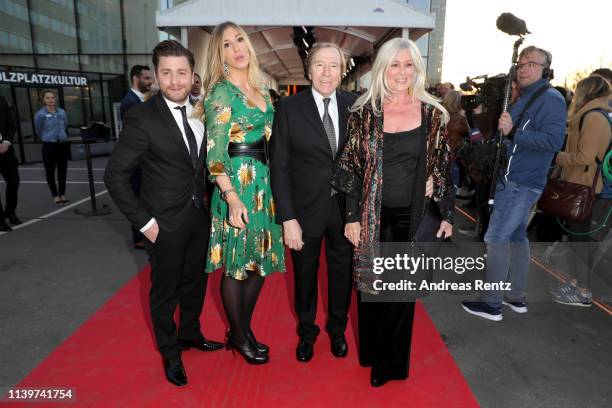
x: 358, y: 172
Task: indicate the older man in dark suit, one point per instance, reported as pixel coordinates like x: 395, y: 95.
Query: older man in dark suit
x: 309, y: 131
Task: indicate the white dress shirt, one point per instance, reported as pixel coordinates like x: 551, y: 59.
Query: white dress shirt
x: 332, y: 109
x: 196, y: 125
x: 138, y: 94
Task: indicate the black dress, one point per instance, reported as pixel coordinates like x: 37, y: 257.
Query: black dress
x: 385, y: 328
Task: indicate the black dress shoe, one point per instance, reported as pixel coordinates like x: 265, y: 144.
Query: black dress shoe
x: 201, y: 344
x: 5, y: 227
x: 175, y: 372
x: 304, y: 350
x: 14, y: 220
x: 339, y: 348
x: 378, y: 377
x: 261, y: 347
x: 246, y: 350
x: 377, y: 381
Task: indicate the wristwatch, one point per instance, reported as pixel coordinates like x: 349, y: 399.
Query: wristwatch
x: 226, y: 192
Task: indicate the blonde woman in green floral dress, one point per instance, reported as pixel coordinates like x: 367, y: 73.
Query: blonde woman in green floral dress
x: 244, y: 238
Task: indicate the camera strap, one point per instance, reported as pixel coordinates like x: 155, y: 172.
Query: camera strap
x: 530, y: 102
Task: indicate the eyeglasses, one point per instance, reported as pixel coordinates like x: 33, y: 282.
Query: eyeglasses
x: 529, y: 64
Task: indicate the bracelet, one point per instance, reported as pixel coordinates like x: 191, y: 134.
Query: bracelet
x: 226, y: 192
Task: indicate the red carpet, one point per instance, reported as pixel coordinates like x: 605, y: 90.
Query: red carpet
x: 111, y: 361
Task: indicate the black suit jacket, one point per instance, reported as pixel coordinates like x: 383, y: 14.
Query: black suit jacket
x: 129, y: 100
x: 301, y: 159
x: 151, y: 139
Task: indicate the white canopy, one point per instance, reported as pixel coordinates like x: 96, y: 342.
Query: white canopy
x: 357, y: 26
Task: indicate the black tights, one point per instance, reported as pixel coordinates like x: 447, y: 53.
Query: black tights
x: 239, y: 299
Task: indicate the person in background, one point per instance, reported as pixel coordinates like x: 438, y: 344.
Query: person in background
x: 274, y: 98
x: 534, y: 128
x: 142, y: 80
x: 196, y: 90
x: 458, y: 131
x: 51, y: 123
x: 445, y: 88
x: 8, y: 167
x: 587, y: 144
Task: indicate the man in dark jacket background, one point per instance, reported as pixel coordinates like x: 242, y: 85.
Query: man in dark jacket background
x: 141, y: 81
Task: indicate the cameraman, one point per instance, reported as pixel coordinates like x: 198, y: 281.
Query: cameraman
x: 535, y: 129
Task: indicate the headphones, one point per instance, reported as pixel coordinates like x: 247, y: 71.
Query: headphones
x: 547, y: 73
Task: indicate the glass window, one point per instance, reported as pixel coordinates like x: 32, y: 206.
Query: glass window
x: 423, y: 44
x: 15, y: 32
x: 97, y: 101
x: 54, y: 29
x: 141, y: 33
x: 17, y: 60
x: 420, y: 5
x: 100, y: 26
x: 76, y: 106
x: 63, y: 62
x: 102, y: 63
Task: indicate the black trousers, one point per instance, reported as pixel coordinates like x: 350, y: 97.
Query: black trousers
x: 10, y: 172
x: 136, y: 182
x: 385, y: 328
x: 339, y: 281
x: 178, y: 279
x: 55, y: 156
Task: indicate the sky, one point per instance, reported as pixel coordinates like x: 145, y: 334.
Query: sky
x: 577, y: 33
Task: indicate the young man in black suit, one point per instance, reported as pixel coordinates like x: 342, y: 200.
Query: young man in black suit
x: 309, y: 131
x: 169, y: 146
x: 8, y: 166
x: 140, y: 76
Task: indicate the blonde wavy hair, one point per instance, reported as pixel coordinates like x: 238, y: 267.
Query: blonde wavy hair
x: 213, y: 72
x: 589, y: 88
x: 379, y: 90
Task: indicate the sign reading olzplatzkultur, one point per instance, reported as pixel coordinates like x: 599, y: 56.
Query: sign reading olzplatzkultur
x: 33, y: 78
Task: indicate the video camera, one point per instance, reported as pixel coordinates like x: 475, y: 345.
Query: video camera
x: 489, y: 92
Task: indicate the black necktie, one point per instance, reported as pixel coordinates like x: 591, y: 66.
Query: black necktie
x: 193, y: 145
x: 329, y: 127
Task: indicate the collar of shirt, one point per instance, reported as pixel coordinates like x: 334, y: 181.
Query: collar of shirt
x: 55, y: 112
x: 138, y: 94
x: 530, y: 89
x: 319, y: 101
x: 196, y: 125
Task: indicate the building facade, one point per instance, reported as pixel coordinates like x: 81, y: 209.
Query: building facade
x: 95, y: 41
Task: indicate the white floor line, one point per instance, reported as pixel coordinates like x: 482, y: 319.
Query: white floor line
x: 44, y: 182
x: 52, y: 213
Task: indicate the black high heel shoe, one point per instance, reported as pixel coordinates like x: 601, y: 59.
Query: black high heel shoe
x: 250, y: 354
x: 261, y: 347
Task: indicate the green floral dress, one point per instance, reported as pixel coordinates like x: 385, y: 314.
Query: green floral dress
x: 233, y: 118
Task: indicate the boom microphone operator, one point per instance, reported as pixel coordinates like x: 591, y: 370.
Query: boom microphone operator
x: 511, y: 24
